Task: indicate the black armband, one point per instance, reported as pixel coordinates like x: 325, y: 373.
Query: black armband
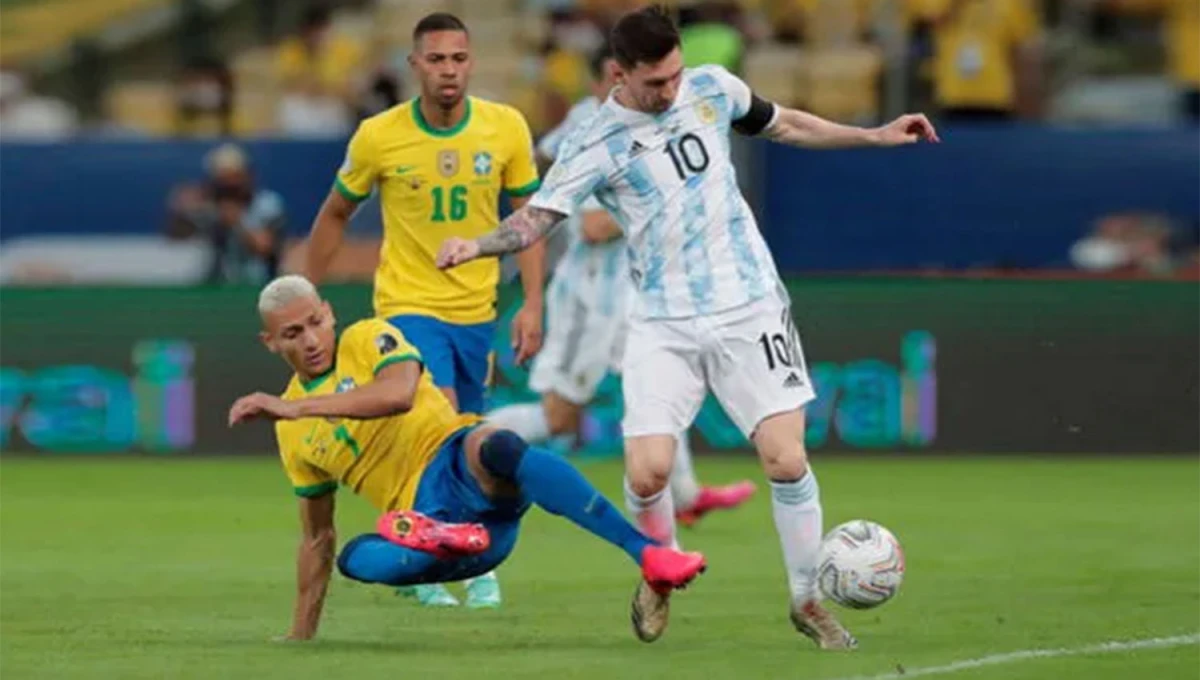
x: 757, y: 118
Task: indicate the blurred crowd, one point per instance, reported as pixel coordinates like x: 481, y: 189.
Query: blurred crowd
x: 335, y: 62
x: 851, y: 60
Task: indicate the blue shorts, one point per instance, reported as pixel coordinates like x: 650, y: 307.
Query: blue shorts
x: 457, y: 355
x: 449, y: 493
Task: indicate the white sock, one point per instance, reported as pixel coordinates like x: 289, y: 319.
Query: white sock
x: 797, y: 509
x: 527, y: 420
x: 684, y: 485
x: 659, y: 512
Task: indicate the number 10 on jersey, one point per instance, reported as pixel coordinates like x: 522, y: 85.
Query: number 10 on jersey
x: 688, y: 155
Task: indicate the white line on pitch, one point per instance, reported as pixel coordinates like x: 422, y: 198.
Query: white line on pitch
x: 1027, y: 654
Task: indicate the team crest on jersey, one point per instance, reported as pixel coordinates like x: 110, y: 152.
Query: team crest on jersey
x: 483, y: 163
x: 448, y: 162
x: 386, y: 342
x: 346, y: 385
x: 707, y: 113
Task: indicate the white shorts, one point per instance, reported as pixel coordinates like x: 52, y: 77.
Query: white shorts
x: 581, y: 346
x: 750, y: 357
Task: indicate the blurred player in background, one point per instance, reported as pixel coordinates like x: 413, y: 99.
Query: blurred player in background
x: 439, y: 163
x: 710, y: 309
x: 362, y: 411
x: 587, y: 322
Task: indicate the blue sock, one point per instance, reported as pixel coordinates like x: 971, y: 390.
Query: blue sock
x: 371, y: 558
x: 556, y: 486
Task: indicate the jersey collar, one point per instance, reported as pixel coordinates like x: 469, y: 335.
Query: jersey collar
x: 440, y: 132
x: 310, y: 385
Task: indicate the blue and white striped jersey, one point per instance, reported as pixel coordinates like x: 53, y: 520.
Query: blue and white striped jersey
x: 694, y: 246
x: 596, y: 275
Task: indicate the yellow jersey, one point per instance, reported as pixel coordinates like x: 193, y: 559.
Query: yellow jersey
x: 380, y: 459
x: 433, y: 184
x: 1181, y: 32
x: 973, y: 49
x: 331, y: 68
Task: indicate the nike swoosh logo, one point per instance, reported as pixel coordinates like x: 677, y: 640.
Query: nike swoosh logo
x: 405, y: 168
x: 309, y: 439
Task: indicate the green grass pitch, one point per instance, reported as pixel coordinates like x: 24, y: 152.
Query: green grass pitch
x: 142, y: 568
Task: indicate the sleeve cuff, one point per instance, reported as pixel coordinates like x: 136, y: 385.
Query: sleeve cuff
x: 525, y: 190
x: 316, y: 490
x: 346, y: 193
x: 395, y: 360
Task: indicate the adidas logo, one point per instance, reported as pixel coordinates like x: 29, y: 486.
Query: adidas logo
x: 637, y: 148
x: 793, y: 380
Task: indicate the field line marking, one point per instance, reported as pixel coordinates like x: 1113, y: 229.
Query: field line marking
x: 1027, y: 654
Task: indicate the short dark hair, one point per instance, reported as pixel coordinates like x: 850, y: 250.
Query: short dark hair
x: 599, y: 58
x: 644, y: 36
x: 438, y: 21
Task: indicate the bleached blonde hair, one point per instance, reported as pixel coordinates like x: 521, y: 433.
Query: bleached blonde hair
x: 283, y: 291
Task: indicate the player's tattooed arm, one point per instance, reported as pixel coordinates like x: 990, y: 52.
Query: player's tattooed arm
x: 798, y: 128
x: 520, y: 230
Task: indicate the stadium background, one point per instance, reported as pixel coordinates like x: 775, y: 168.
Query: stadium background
x: 1025, y: 291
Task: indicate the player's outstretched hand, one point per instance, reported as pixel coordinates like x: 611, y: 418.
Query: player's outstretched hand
x: 908, y: 129
x: 527, y: 332
x: 261, y: 405
x: 456, y: 251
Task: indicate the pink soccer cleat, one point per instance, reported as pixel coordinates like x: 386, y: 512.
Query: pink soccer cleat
x: 443, y: 540
x: 716, y: 498
x: 667, y: 569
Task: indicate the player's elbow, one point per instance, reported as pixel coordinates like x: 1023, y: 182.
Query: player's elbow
x: 397, y: 402
x: 335, y: 213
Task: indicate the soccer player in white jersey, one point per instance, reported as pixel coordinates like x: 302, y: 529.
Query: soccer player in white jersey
x: 710, y: 310
x: 586, y: 332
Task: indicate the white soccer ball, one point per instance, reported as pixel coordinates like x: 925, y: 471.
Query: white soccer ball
x: 860, y: 564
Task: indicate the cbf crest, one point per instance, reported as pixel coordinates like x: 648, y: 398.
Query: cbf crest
x: 448, y: 162
x: 483, y: 163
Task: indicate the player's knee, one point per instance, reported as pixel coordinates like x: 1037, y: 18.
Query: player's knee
x: 645, y: 485
x: 346, y: 563
x: 779, y: 441
x: 648, y: 463
x: 650, y: 477
x: 785, y: 460
x: 501, y: 453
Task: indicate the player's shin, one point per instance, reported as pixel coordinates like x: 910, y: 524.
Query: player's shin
x: 684, y: 485
x: 648, y: 464
x: 370, y: 558
x: 796, y: 505
x: 556, y: 486
x: 655, y: 513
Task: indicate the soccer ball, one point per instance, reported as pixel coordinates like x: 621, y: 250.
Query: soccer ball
x: 860, y: 564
